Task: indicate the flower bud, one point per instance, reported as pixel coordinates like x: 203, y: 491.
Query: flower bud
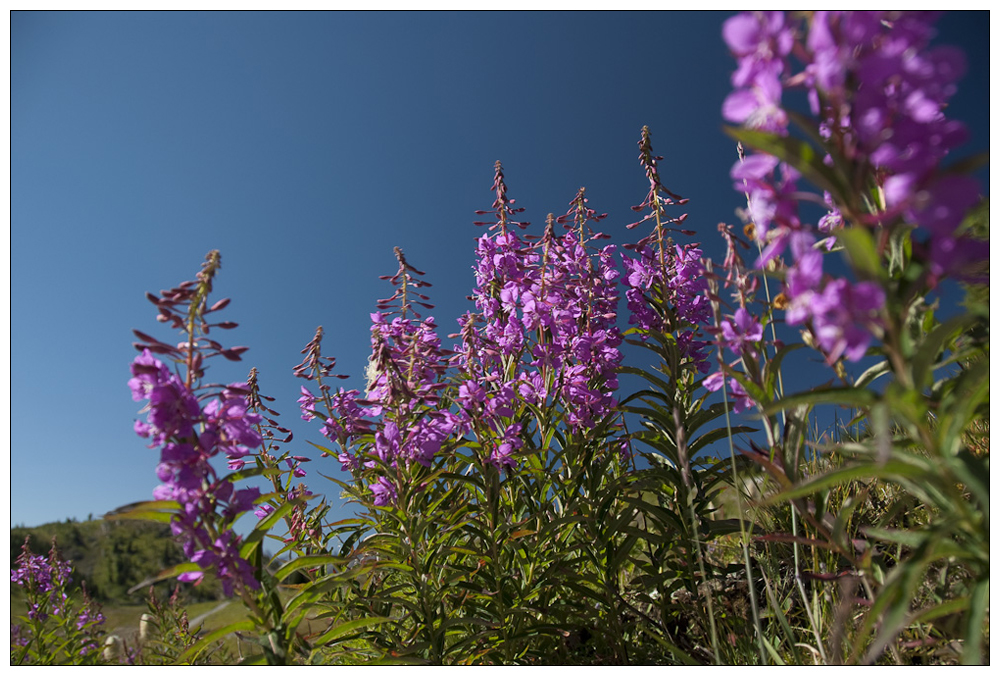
x: 112, y: 648
x: 147, y: 625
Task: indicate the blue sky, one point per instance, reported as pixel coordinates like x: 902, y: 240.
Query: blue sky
x: 305, y: 147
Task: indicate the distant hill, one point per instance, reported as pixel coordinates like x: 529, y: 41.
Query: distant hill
x: 111, y: 556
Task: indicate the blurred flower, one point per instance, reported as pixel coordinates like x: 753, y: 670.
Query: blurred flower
x: 742, y: 331
x: 737, y: 395
x: 844, y: 316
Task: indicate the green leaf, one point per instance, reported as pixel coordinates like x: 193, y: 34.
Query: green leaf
x: 972, y: 651
x: 716, y: 527
x: 679, y: 654
x: 872, y: 374
x: 659, y: 382
x: 310, y: 561
x: 167, y: 574
x: 860, y: 246
x: 774, y: 653
x: 772, y: 367
x: 844, y: 396
x: 153, y: 510
x: 974, y: 472
x: 716, y: 435
x: 795, y: 152
x: 907, y: 538
x: 265, y: 525
x: 251, y: 472
x: 972, y: 388
x: 933, y: 344
x: 341, y: 630
x: 208, y: 639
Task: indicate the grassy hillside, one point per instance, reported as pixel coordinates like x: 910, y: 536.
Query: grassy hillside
x: 110, y: 556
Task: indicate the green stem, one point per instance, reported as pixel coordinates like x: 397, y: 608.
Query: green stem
x: 739, y: 493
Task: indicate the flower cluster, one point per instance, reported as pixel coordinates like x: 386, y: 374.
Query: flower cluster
x: 878, y: 93
x: 189, y: 436
x: 191, y: 431
x: 666, y: 282
x: 46, y: 577
x: 842, y: 315
x: 546, y: 327
x: 545, y: 331
x: 346, y: 421
x: 406, y: 376
x: 46, y: 583
x: 761, y: 42
x: 741, y: 333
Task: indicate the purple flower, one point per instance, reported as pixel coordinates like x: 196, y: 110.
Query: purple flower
x: 297, y: 471
x: 773, y: 201
x: 889, y: 122
x: 960, y: 257
x: 172, y: 408
x: 228, y: 413
x: 425, y: 438
x: 88, y: 615
x: 471, y: 395
x: 45, y: 582
x: 306, y: 403
x: 387, y: 443
x: 742, y: 331
x: 243, y: 500
x: 509, y: 442
x: 684, y: 284
x: 187, y: 475
x: 844, y: 316
x: 16, y: 638
x: 503, y: 401
x: 384, y: 492
x: 760, y: 42
x: 942, y: 205
x: 147, y: 373
x: 803, y: 277
x: 833, y: 220
x: 758, y: 107
x: 350, y: 422
x: 738, y: 396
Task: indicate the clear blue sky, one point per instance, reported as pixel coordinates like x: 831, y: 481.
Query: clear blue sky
x: 304, y: 147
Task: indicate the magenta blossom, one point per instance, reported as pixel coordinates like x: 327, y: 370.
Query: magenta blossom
x: 742, y: 332
x: 383, y: 491
x: 738, y: 396
x: 844, y: 316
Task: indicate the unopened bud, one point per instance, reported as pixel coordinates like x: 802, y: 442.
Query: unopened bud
x: 147, y: 625
x: 112, y: 648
